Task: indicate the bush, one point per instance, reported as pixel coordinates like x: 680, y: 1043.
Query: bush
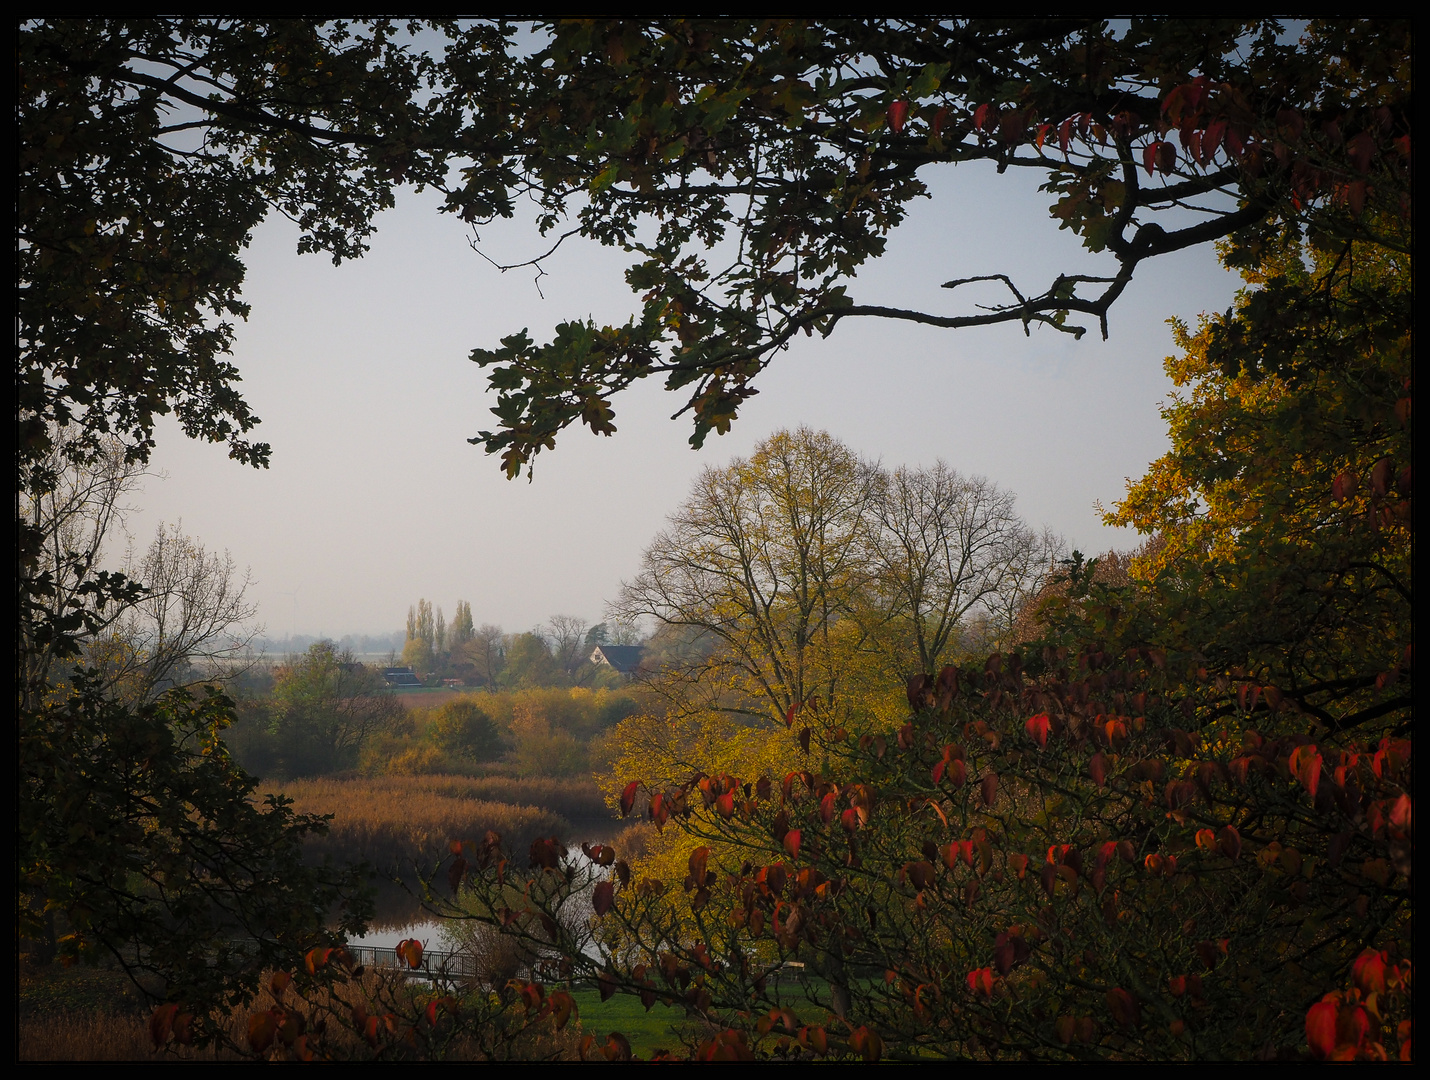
x: 460, y: 728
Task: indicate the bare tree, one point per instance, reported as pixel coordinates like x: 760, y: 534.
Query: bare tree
x: 193, y: 623
x: 952, y: 552
x: 485, y: 652
x: 566, y: 636
x: 75, y: 498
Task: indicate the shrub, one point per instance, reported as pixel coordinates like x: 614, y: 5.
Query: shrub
x: 462, y: 729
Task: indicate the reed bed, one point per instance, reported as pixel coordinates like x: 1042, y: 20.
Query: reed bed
x: 98, y: 1035
x: 572, y: 799
x: 397, y: 823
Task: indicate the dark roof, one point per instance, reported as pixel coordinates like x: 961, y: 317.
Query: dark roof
x: 624, y: 658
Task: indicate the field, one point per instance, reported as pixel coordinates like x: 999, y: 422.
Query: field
x: 428, y: 697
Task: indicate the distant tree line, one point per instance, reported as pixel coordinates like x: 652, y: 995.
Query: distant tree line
x: 557, y: 654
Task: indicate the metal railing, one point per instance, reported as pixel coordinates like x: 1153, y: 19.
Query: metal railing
x: 435, y: 963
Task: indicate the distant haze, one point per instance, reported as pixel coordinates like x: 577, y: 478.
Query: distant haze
x: 375, y: 498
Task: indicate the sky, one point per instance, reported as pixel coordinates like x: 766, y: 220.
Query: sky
x: 375, y: 499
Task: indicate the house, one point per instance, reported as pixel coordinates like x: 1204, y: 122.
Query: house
x: 400, y: 676
x: 624, y: 658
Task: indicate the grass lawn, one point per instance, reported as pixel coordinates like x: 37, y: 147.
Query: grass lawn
x: 647, y: 1031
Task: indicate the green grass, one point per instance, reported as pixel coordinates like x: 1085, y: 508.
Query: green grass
x: 647, y: 1031
x: 662, y: 1026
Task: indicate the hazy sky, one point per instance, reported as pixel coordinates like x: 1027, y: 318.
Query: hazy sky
x: 375, y: 499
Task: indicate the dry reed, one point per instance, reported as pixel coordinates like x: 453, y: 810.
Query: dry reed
x: 100, y: 1036
x: 396, y: 822
x: 571, y: 798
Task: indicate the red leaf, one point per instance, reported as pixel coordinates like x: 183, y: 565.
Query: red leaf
x: 947, y: 686
x: 1149, y: 157
x: 161, y: 1023
x: 1343, y: 487
x: 898, y: 113
x: 1037, y: 729
x: 1166, y: 157
x: 262, y: 1026
x: 1400, y: 812
x: 920, y: 874
x: 791, y: 843
x: 1124, y: 1007
x: 981, y: 981
x: 989, y: 788
x: 866, y: 1043
x: 1368, y: 972
x: 1097, y: 769
x: 607, y: 988
x: 699, y: 857
x: 617, y: 1048
x: 1321, y: 1028
x: 1229, y: 841
x: 980, y: 116
x: 563, y: 1005
x: 410, y: 951
x: 603, y: 897
x: 628, y: 797
x: 1353, y: 1027
x: 939, y: 119
x: 456, y: 872
x: 804, y: 739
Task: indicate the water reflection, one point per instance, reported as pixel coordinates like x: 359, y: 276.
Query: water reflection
x: 399, y: 915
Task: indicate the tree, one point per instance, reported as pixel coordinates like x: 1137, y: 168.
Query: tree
x: 325, y: 707
x: 419, y: 651
x: 462, y: 629
x: 463, y: 729
x: 527, y: 661
x: 194, y: 610
x: 950, y: 549
x: 794, y: 564
x: 567, y: 635
x: 140, y: 843
x: 1283, y: 508
x: 767, y: 557
x: 481, y: 659
x: 800, y: 145
x: 800, y: 142
x: 69, y: 514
